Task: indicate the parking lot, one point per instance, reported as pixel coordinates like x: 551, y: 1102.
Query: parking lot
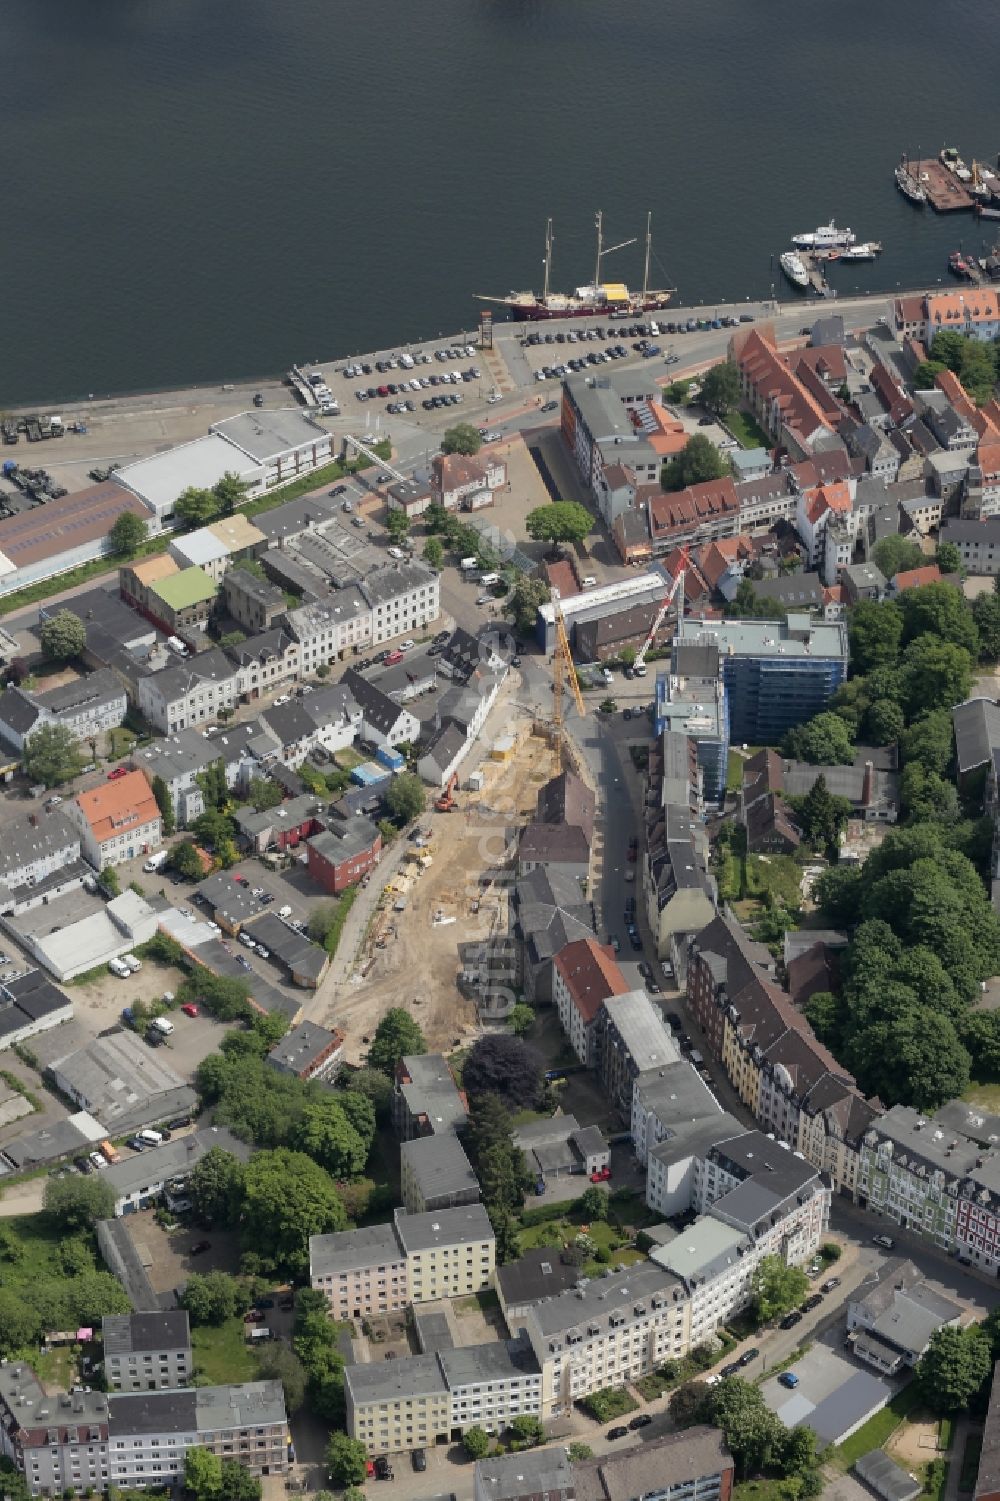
x: 834, y: 1393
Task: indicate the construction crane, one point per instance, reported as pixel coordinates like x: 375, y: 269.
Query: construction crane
x: 562, y: 663
x: 639, y: 665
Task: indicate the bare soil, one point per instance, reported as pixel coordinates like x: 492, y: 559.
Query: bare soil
x: 915, y: 1442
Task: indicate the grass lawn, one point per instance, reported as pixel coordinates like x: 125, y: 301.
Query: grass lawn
x: 987, y: 1096
x: 221, y: 1351
x: 879, y: 1428
x: 55, y: 1368
x: 28, y: 1250
x: 747, y: 430
x: 779, y: 874
x: 563, y: 1228
x: 765, y: 1490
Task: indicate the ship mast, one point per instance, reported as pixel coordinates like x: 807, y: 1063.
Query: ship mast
x: 649, y: 242
x: 548, y: 258
x: 600, y: 235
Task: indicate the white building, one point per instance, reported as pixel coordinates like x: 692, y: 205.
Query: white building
x: 404, y: 597
x: 329, y: 628
x: 281, y: 443
x: 192, y: 693
x: 160, y: 480
x: 584, y: 974
x: 116, y: 820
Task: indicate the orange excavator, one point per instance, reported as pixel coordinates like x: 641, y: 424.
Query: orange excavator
x: 446, y: 802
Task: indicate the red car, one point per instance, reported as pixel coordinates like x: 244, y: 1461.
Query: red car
x: 119, y: 771
x: 189, y: 1009
x: 601, y: 1176
x: 254, y: 1316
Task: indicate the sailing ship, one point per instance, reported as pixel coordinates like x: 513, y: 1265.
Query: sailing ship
x: 606, y: 299
x: 908, y: 183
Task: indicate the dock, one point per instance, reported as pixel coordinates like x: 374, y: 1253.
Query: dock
x: 813, y: 262
x: 945, y: 193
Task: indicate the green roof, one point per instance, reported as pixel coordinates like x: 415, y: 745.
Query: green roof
x: 181, y: 590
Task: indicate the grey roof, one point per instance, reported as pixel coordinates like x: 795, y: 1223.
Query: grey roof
x: 290, y: 722
x: 381, y: 585
x: 535, y: 1472
x: 223, y: 894
x: 465, y: 1225
x: 704, y: 1249
x: 696, y: 659
x: 101, y: 687
x: 116, y: 1245
x: 177, y: 682
x: 124, y: 1084
x: 902, y: 1310
x: 350, y: 1250
x: 344, y: 838
x: 33, y: 837
x: 537, y: 1274
x: 649, y: 1041
x: 296, y: 516
x: 549, y: 911
x: 445, y: 745
x: 18, y: 710
x: 590, y: 1140
x: 500, y: 1360
x: 128, y: 1332
x: 395, y: 1380
x: 248, y: 1405
x: 553, y: 843
x: 977, y: 732
x: 189, y: 751
x: 156, y: 1164
x: 920, y: 1139
x: 432, y: 1325
x: 267, y: 434
x: 378, y: 708
x: 430, y: 1091
x: 692, y: 1138
x: 104, y: 610
x: 301, y: 1046
x: 969, y: 1120
x: 802, y: 589
x: 152, y: 1412
x: 677, y: 1458
x: 439, y: 1166
x: 598, y: 1298
x: 885, y: 1477
x: 797, y: 637
x: 988, y: 1481
x: 267, y: 646
x: 754, y: 1155
x: 972, y: 531
x: 303, y: 958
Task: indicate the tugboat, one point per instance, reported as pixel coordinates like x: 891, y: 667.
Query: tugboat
x: 908, y: 184
x: 794, y: 268
x: 606, y: 299
x: 866, y: 252
x: 826, y: 237
x: 959, y: 266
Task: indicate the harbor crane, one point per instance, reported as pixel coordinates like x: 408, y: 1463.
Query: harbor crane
x: 562, y: 664
x: 677, y: 587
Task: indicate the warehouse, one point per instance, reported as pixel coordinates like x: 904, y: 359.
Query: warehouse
x: 62, y: 534
x: 163, y: 478
x: 283, y: 444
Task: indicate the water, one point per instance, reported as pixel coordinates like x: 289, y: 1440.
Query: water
x: 202, y: 190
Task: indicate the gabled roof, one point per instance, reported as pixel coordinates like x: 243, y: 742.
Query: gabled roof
x: 591, y: 974
x: 115, y: 807
x: 977, y: 732
x: 377, y: 707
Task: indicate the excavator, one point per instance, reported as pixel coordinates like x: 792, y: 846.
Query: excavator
x: 446, y: 802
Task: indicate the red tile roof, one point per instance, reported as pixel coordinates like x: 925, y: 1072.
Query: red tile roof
x: 561, y: 576
x: 591, y: 974
x: 770, y: 376
x: 115, y: 807
x: 684, y: 509
x: 916, y: 578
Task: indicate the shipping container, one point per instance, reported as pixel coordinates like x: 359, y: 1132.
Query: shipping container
x: 370, y: 774
x: 390, y: 758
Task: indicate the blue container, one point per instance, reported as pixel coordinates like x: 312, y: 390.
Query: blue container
x: 391, y: 758
x: 370, y: 774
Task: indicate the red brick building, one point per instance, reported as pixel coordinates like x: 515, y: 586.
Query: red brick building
x: 344, y: 853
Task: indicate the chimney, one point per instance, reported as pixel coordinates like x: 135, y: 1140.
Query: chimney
x: 868, y: 785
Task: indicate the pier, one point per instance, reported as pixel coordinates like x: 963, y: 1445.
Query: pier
x: 945, y: 193
x: 813, y: 262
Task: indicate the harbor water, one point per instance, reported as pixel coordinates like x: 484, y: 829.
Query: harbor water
x: 203, y: 190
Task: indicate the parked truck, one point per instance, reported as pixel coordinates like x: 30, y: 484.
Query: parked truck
x: 156, y: 862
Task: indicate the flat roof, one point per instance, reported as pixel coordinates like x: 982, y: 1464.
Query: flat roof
x: 653, y: 581
x: 264, y: 435
x: 199, y: 547
x: 71, y: 522
x: 395, y: 1380
x: 166, y: 1330
x: 461, y: 1226
x: 350, y: 1250
x: 160, y: 479
x: 798, y: 636
x: 439, y: 1165
x: 702, y: 1249
x: 189, y: 586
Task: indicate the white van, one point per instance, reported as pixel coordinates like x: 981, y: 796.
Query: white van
x: 150, y: 1137
x: 490, y: 578
x: 469, y: 564
x: 162, y: 1025
x: 118, y: 968
x: 133, y: 962
x: 156, y: 862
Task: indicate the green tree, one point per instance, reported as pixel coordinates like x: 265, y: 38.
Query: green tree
x: 110, y: 881
x: 825, y: 1013
x: 63, y: 636
x: 505, y: 1066
x: 559, y: 521
x: 522, y: 603
x: 926, y: 374
x: 165, y: 804
x: 346, y: 1460
x: 371, y: 1083
x: 128, y: 534
x: 434, y: 552
x: 948, y: 558
x: 397, y: 524
x: 986, y: 614
x: 884, y: 722
x: 202, y: 1473
x: 322, y: 919
x: 956, y: 1366
x: 720, y: 388
x: 821, y: 815
x: 238, y: 1483
x: 326, y: 1134
x: 194, y: 508
x: 287, y: 1198
x: 521, y: 1019
x: 947, y: 348
x: 755, y: 1435
x: 405, y: 797
x: 977, y: 371
x: 980, y: 1032
x: 929, y: 741
x: 397, y: 1033
x: 52, y: 755
x: 214, y: 1297
x: 78, y: 1203
x: 692, y: 1404
x: 936, y: 674
x: 896, y: 555
x: 822, y: 741
x: 476, y: 1442
x: 215, y: 1188
x: 914, y: 1058
x: 698, y: 462
x: 578, y: 1451
x: 776, y: 1288
x: 462, y: 438
x: 185, y: 861
x: 264, y: 794
x: 282, y: 1364
x: 527, y: 1428
x: 939, y: 610
x: 230, y: 492
x: 875, y: 632
x: 594, y: 1203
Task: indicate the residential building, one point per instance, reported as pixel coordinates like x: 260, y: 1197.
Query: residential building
x: 56, y: 1441
x: 116, y: 821
x: 344, y: 853
x: 693, y: 1465
x: 253, y: 602
x: 193, y: 692
x: 893, y: 1315
x: 535, y: 1276
x: 283, y: 827
x: 665, y: 1101
x: 426, y: 1100
x: 584, y: 975
x: 526, y: 1477
x: 699, y: 513
x: 361, y: 1273
x: 978, y: 543
x: 870, y: 785
x: 136, y: 580
x: 139, y: 1180
x: 384, y: 722
x: 217, y: 546
x: 988, y: 1478
x: 691, y: 708
x: 974, y: 313
x: 546, y: 912
x: 561, y: 1147
x: 39, y: 852
x: 722, y: 962
x: 435, y: 1173
x: 88, y: 706
x: 678, y: 891
x: 264, y: 662
x: 977, y: 737
x: 598, y: 429
x: 912, y: 1171
x: 404, y: 598
x: 678, y: 1156
x: 606, y: 1332
x: 243, y: 751
x: 308, y: 1051
x: 632, y: 1038
x: 146, y: 1351
x: 466, y: 483
x: 182, y: 601
x: 789, y: 413
x: 327, y: 628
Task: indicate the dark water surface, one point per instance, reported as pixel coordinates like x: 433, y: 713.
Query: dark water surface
x: 198, y: 190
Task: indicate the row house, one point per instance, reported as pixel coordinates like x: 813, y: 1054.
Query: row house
x: 264, y: 662
x: 585, y: 974
x: 789, y: 413
x: 699, y: 513
x: 833, y: 1119
x: 192, y: 693
x: 721, y: 962
x: 116, y: 821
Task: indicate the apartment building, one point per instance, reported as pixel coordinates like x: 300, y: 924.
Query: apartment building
x: 57, y: 1441
x: 673, y: 1164
x: 449, y: 1253
x: 491, y: 1384
x: 632, y: 1039
x: 693, y: 1465
x: 426, y: 1100
x: 192, y: 693
x: 585, y: 974
x: 361, y: 1273
x: 403, y: 597
x: 327, y: 628
x: 146, y: 1351
x: 34, y: 850
x: 664, y: 1097
x: 599, y: 431
x: 435, y: 1173
x: 787, y: 405
x: 607, y: 1331
x: 116, y: 821
x: 893, y: 1316
x: 525, y: 1477
x: 833, y: 1119
x: 88, y: 706
x: 396, y: 1405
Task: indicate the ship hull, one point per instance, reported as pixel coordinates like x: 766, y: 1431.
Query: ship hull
x: 539, y: 312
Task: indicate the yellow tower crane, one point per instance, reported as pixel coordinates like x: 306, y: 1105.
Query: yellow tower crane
x: 562, y: 663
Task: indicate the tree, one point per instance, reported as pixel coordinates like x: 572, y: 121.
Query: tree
x: 346, y: 1460
x: 78, y: 1203
x: 63, y: 636
x: 476, y: 1442
x: 405, y: 797
x: 202, y: 1473
x: 822, y: 816
x: 128, y: 534
x: 238, y: 1483
x: 325, y: 1134
x: 373, y: 1085
x: 692, y: 1404
x: 912, y: 1059
x: 165, y: 804
x: 896, y: 555
x: 825, y: 1013
x: 776, y: 1288
x: 947, y: 348
x: 594, y: 1203
x: 214, y: 1297
x: 282, y: 1364
x: 215, y: 1188
x: 462, y: 438
x: 939, y: 610
x: 230, y: 492
x: 505, y: 1066
x: 986, y: 614
x: 884, y: 722
x: 875, y: 632
x: 434, y: 552
x: 698, y: 462
x: 559, y: 521
x: 264, y: 794
x: 185, y: 860
x: 397, y: 1033
x: 52, y: 755
x: 754, y: 1433
x: 977, y: 371
x: 522, y: 603
x: 948, y: 558
x: 195, y: 507
x: 822, y: 741
x: 926, y: 374
x: 397, y: 524
x: 929, y: 741
x: 955, y: 1366
x: 321, y: 920
x: 521, y: 1019
x: 527, y: 1428
x: 578, y: 1451
x: 720, y: 388
x: 936, y: 673
x: 287, y: 1198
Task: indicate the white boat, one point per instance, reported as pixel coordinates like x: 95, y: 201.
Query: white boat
x: 826, y: 237
x: 866, y: 252
x: 794, y: 268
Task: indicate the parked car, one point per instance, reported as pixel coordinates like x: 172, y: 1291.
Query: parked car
x: 119, y: 771
x: 791, y: 1319
x: 829, y: 1285
x: 732, y: 1369
x: 642, y: 1421
x: 885, y: 1241
x: 190, y: 1009
x: 811, y: 1302
x: 749, y: 1355
x: 789, y: 1379
x: 200, y: 1247
x: 620, y: 1432
x: 600, y: 1175
x: 419, y: 1461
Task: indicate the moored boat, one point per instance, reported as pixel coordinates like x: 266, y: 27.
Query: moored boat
x: 909, y: 184
x: 794, y: 268
x: 825, y: 237
x: 865, y: 252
